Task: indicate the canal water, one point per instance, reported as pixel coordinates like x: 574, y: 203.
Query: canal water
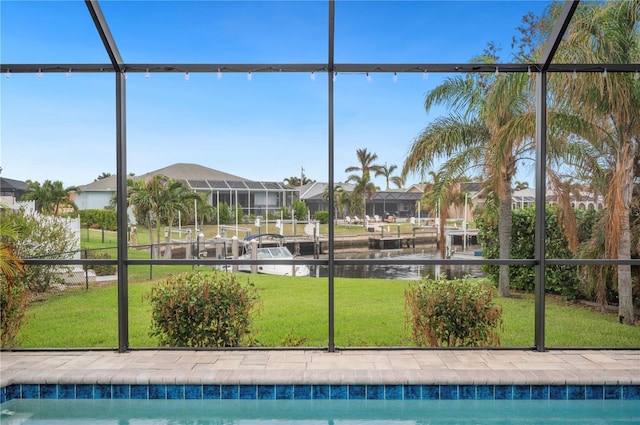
x: 396, y: 271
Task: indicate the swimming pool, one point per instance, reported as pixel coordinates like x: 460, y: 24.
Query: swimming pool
x: 307, y: 412
x: 310, y: 404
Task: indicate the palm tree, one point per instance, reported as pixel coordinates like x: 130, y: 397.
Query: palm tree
x: 486, y: 130
x: 157, y: 201
x: 399, y: 181
x: 10, y: 263
x: 439, y: 195
x: 608, y: 33
x: 51, y: 197
x: 340, y: 199
x: 520, y: 185
x: 386, y: 171
x: 103, y: 176
x: 174, y: 198
x: 294, y: 181
x: 13, y: 295
x: 565, y: 190
x: 364, y: 187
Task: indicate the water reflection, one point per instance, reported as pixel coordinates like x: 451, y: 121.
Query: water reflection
x: 396, y: 271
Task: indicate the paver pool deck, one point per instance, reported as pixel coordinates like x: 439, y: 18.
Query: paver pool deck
x: 354, y: 366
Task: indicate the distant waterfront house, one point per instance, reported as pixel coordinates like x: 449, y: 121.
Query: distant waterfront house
x: 401, y: 202
x: 11, y: 190
x: 252, y: 196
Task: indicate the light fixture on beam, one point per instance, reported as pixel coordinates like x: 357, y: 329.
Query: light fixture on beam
x: 313, y: 76
x: 186, y: 76
x: 219, y: 74
x: 574, y: 75
x: 39, y: 74
x: 425, y: 76
x: 69, y: 73
x: 249, y: 76
x: 369, y: 79
x: 395, y: 77
x: 604, y: 73
x: 146, y: 74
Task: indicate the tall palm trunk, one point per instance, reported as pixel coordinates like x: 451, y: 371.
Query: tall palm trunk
x: 625, y: 306
x: 504, y: 238
x: 443, y: 236
x: 625, y: 163
x: 152, y: 249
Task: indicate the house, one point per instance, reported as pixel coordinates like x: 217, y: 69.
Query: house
x: 253, y: 197
x: 11, y: 190
x: 398, y: 202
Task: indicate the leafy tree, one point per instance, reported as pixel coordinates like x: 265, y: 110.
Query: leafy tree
x: 51, y: 197
x: 41, y: 236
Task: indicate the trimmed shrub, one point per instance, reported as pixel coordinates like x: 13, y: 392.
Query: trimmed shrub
x: 453, y: 313
x: 195, y: 309
x: 99, y: 219
x: 301, y: 211
x: 223, y: 213
x: 322, y: 216
x: 101, y: 269
x: 560, y: 279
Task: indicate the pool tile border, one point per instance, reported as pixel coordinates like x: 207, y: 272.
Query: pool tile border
x: 319, y: 392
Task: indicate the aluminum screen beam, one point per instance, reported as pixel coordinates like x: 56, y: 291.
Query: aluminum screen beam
x: 105, y: 34
x: 557, y: 32
x: 330, y: 153
x: 214, y: 68
x: 121, y: 213
x: 539, y: 218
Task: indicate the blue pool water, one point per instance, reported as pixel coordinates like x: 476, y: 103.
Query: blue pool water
x: 312, y: 412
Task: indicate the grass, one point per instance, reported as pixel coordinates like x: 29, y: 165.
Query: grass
x: 293, y: 312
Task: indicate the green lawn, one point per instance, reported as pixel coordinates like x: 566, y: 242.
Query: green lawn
x: 293, y: 312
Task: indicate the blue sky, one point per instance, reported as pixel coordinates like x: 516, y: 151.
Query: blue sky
x: 266, y: 128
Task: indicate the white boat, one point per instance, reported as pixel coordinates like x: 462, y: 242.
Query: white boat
x: 270, y: 252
